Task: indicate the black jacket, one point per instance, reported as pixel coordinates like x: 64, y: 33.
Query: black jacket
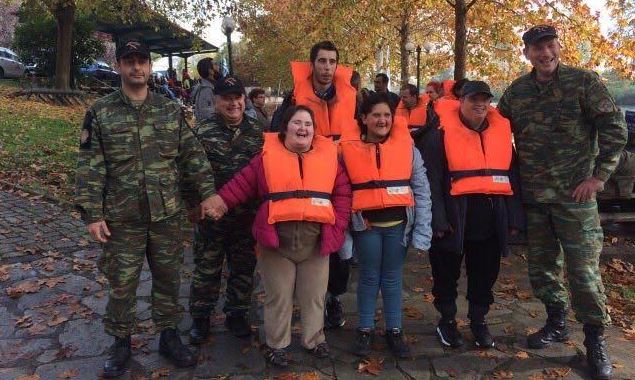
x: 449, y: 212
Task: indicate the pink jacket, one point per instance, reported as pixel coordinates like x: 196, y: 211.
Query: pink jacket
x: 250, y: 183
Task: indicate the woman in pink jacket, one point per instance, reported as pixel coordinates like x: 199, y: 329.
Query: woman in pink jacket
x: 306, y: 207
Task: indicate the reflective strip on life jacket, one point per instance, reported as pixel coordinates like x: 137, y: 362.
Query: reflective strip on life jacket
x: 300, y: 186
x: 478, y: 162
x: 332, y: 118
x: 375, y: 184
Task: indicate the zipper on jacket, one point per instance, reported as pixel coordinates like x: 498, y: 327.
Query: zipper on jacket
x: 300, y: 166
x: 377, y: 156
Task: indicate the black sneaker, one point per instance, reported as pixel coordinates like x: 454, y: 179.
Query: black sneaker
x: 321, y: 351
x: 482, y: 336
x: 276, y: 357
x: 363, y: 342
x: 200, y: 330
x: 237, y: 324
x: 115, y: 364
x: 449, y: 334
x: 333, y: 313
x: 397, y: 343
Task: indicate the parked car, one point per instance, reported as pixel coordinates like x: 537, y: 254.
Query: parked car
x: 101, y: 72
x: 10, y: 65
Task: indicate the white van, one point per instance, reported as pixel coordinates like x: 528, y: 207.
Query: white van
x: 10, y: 65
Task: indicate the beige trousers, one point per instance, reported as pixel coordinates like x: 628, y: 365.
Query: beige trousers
x: 283, y: 278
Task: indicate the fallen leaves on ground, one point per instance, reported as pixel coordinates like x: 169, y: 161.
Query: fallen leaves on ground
x: 503, y: 374
x: 23, y: 288
x: 619, y: 279
x: 522, y: 355
x: 556, y: 373
x: 57, y: 320
x: 68, y: 374
x: 65, y: 352
x: 24, y: 322
x: 298, y: 376
x: 28, y: 377
x: 373, y: 366
x: 412, y: 312
x: 536, y: 376
x: 159, y: 373
x: 485, y: 354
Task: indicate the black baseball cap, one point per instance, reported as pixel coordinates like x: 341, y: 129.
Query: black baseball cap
x: 539, y: 32
x: 132, y: 46
x: 476, y: 87
x: 229, y: 85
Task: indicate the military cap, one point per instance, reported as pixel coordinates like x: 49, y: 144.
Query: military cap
x: 476, y: 87
x: 538, y: 32
x: 132, y: 46
x: 229, y: 85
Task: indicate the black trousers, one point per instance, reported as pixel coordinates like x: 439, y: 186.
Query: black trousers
x: 482, y: 263
x: 339, y: 271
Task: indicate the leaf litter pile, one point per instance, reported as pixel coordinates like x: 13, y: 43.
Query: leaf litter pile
x: 619, y: 278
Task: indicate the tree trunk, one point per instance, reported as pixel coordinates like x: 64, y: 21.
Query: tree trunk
x: 460, y: 38
x: 65, y: 18
x: 404, y: 35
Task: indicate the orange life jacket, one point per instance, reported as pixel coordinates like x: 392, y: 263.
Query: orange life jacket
x: 478, y: 162
x: 380, y: 173
x: 445, y: 105
x: 331, y: 118
x: 447, y: 88
x: 300, y: 186
x: 416, y: 117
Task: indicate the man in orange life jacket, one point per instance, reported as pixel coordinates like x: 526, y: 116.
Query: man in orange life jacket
x: 475, y: 205
x: 325, y: 87
x: 412, y: 107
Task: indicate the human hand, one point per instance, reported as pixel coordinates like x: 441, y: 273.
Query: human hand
x: 99, y: 231
x: 213, y: 207
x: 587, y: 189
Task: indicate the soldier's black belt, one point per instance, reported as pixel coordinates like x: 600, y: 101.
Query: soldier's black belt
x: 380, y: 184
x: 458, y: 174
x: 282, y: 195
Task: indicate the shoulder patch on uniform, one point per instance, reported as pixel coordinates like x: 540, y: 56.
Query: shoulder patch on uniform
x: 87, y: 131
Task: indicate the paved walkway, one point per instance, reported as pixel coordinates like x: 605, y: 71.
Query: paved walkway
x: 52, y: 299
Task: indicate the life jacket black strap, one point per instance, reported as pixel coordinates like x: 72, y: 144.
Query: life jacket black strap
x: 458, y: 174
x: 282, y: 195
x: 380, y: 184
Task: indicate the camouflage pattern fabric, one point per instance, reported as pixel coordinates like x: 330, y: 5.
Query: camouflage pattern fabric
x: 567, y: 235
x: 564, y: 132
x: 213, y: 241
x: 121, y: 263
x: 228, y: 150
x: 133, y: 162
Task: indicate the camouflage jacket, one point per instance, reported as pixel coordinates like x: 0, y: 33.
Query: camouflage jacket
x: 564, y: 131
x: 229, y: 149
x: 133, y: 162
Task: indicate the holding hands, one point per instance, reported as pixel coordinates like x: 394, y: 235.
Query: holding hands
x: 213, y: 207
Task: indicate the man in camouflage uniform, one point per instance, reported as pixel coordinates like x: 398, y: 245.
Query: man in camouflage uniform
x: 230, y: 138
x: 136, y: 152
x: 569, y: 135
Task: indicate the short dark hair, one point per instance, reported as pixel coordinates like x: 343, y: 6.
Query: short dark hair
x: 203, y: 67
x: 324, y: 45
x: 384, y: 77
x: 457, y: 89
x: 412, y: 89
x: 255, y: 93
x: 288, y: 114
x: 371, y: 101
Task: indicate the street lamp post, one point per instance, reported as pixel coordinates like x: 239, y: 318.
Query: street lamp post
x: 418, y: 64
x: 228, y: 26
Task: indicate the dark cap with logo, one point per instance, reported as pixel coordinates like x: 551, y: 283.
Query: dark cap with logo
x: 476, y: 87
x: 229, y: 85
x: 132, y: 46
x: 538, y: 32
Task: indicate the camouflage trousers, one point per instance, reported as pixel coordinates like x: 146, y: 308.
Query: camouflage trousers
x: 121, y: 263
x: 569, y: 236
x: 213, y: 242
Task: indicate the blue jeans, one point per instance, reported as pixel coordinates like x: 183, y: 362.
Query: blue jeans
x: 381, y: 257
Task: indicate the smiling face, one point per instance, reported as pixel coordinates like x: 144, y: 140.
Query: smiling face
x: 474, y: 108
x: 299, y: 134
x: 134, y: 69
x: 378, y: 122
x: 544, y: 56
x: 231, y: 107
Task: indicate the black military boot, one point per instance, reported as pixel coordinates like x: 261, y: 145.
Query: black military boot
x: 120, y: 352
x: 397, y: 343
x: 555, y: 330
x: 597, y: 355
x: 237, y: 324
x: 447, y: 330
x: 200, y: 330
x: 171, y: 347
x: 482, y: 337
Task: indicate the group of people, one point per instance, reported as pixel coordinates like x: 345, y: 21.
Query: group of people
x: 338, y: 173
